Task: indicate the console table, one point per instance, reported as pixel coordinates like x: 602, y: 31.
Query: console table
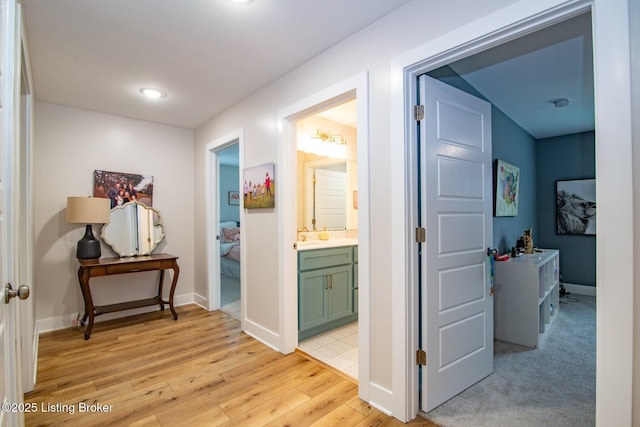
x: 112, y: 266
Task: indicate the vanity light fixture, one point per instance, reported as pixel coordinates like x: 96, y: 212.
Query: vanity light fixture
x: 240, y: 1
x: 152, y: 93
x: 328, y: 137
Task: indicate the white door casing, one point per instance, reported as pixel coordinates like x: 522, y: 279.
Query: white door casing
x: 26, y: 241
x: 212, y: 301
x: 456, y: 207
x: 10, y: 72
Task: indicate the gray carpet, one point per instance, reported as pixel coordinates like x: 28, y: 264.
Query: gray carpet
x: 553, y: 385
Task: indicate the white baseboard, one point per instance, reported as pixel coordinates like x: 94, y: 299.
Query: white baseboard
x: 64, y: 321
x: 580, y: 289
x: 262, y: 334
x: 381, y: 398
x: 201, y: 301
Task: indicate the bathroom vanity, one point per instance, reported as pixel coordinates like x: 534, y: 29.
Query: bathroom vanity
x: 327, y: 285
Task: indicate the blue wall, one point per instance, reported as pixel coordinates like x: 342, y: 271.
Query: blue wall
x: 563, y: 158
x: 229, y: 179
x: 513, y: 145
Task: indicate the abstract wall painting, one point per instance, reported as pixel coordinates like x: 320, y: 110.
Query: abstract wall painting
x: 507, y: 183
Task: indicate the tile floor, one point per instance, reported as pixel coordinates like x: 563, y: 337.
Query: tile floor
x: 337, y: 348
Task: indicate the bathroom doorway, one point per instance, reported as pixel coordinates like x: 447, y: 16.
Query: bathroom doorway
x: 353, y: 88
x: 327, y: 225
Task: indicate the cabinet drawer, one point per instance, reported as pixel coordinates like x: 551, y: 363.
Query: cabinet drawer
x: 128, y: 268
x: 321, y: 258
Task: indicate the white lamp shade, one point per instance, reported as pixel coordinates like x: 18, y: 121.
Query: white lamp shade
x: 88, y: 210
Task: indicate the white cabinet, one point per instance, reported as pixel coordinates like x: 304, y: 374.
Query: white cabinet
x: 526, y: 297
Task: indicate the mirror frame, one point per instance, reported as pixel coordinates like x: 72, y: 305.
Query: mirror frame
x: 108, y: 237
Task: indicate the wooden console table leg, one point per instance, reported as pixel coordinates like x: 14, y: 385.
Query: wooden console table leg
x: 174, y: 282
x: 160, y: 290
x: 89, y: 309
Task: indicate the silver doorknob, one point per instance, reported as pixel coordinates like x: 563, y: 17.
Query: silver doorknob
x: 22, y: 292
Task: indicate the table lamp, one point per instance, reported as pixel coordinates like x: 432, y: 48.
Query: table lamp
x: 88, y: 210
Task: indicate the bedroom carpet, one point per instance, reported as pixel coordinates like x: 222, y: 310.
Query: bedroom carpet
x: 551, y: 386
x: 230, y: 295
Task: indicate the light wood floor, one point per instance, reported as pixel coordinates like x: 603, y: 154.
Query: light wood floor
x: 201, y: 370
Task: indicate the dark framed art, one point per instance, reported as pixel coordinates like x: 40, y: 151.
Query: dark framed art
x: 576, y: 207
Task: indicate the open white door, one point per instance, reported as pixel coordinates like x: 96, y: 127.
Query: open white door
x: 10, y: 69
x: 330, y: 201
x: 456, y: 210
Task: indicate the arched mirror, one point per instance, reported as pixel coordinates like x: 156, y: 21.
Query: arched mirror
x: 134, y: 229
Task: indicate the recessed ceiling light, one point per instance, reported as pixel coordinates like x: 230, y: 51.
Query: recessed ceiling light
x: 152, y: 93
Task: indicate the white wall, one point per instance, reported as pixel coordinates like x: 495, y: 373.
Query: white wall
x: 369, y: 50
x: 69, y: 144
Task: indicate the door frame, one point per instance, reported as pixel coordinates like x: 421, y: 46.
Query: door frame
x: 27, y: 318
x: 212, y: 301
x: 358, y: 87
x: 16, y: 119
x: 610, y: 22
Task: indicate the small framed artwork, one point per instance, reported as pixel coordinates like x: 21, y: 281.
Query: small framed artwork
x: 234, y: 197
x: 576, y: 207
x: 259, y: 186
x: 507, y: 189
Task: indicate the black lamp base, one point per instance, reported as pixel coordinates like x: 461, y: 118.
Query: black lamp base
x: 88, y: 247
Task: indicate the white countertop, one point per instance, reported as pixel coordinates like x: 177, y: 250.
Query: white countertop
x: 331, y: 243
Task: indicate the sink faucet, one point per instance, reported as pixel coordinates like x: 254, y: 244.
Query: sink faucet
x: 303, y: 229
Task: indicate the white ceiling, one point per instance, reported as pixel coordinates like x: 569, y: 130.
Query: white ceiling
x: 207, y: 55
x: 523, y: 77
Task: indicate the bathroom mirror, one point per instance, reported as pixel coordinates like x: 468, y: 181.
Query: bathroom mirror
x: 327, y: 163
x: 134, y: 229
x: 327, y: 194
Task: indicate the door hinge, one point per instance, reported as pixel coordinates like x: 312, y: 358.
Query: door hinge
x: 421, y: 357
x: 421, y: 235
x: 418, y: 112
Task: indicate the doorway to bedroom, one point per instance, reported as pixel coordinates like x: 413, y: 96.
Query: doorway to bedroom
x: 225, y: 271
x: 229, y: 233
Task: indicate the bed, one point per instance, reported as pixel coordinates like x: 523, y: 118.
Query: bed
x: 230, y: 249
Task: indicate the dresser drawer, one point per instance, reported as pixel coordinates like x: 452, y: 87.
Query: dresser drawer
x: 322, y: 258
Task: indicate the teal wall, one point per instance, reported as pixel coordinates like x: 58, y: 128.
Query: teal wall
x: 513, y: 145
x: 229, y: 179
x: 563, y: 158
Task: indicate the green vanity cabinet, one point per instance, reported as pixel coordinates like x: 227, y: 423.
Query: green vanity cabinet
x: 325, y: 290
